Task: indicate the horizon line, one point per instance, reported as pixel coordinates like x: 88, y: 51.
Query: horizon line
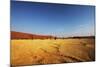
x: 54, y: 35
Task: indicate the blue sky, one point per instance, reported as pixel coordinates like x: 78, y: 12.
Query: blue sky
x: 52, y: 19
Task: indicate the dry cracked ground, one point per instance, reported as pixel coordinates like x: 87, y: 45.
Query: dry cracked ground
x: 36, y: 52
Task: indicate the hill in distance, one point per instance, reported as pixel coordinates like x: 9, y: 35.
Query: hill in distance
x: 21, y: 35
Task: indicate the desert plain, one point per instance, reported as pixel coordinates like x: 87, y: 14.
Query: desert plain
x: 51, y: 51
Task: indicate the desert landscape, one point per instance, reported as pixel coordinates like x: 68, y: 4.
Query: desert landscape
x: 50, y: 50
x: 51, y: 33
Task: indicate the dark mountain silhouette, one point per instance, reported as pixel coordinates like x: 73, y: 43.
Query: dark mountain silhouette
x: 21, y: 35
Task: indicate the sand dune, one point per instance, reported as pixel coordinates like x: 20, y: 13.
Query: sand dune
x: 22, y: 35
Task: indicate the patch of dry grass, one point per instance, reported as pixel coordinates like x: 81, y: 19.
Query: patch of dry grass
x: 31, y: 52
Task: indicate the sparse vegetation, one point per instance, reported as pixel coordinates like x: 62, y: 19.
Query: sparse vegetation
x: 50, y: 51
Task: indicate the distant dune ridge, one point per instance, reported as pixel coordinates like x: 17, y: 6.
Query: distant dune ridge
x: 21, y: 35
